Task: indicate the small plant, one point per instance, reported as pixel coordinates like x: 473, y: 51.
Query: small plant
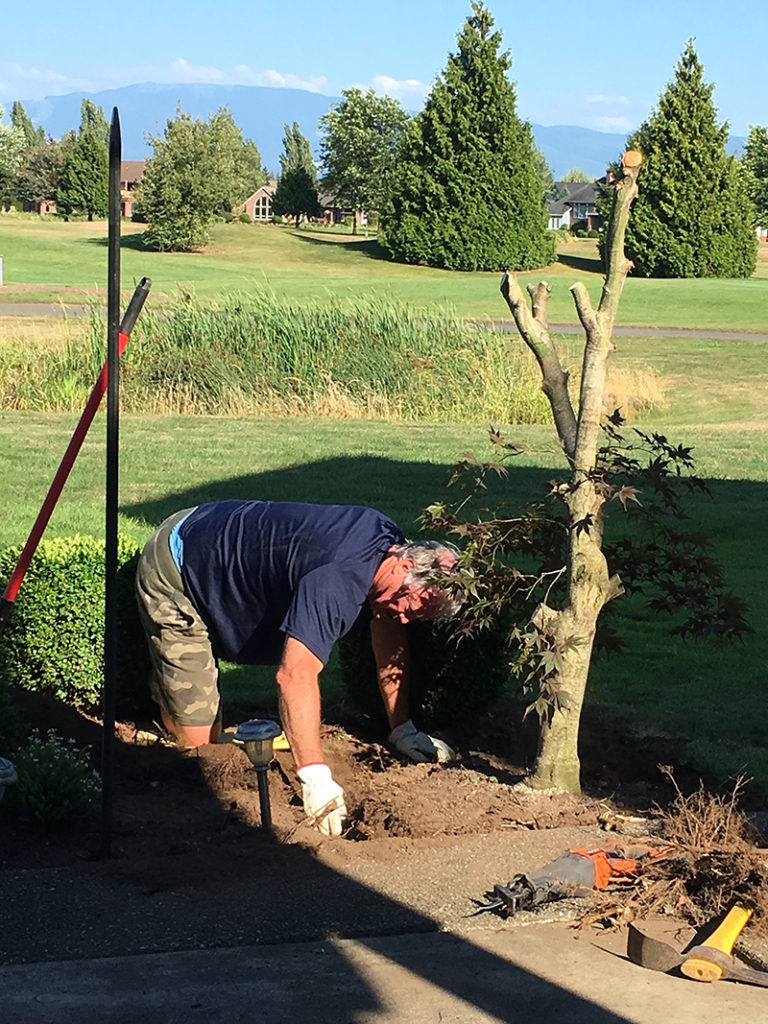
x: 244, y: 218
x: 55, y: 781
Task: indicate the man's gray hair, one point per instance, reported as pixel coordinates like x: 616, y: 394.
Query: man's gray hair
x: 431, y: 560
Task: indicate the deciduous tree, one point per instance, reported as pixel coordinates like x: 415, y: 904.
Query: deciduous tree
x: 693, y: 217
x: 469, y: 193
x: 576, y: 572
x: 361, y: 134
x: 41, y: 172
x: 20, y: 119
x: 11, y: 153
x: 198, y: 169
x: 577, y: 174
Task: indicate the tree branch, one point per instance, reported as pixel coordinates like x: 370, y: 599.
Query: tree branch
x: 534, y: 331
x: 599, y: 325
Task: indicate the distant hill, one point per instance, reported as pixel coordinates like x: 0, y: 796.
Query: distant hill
x: 261, y: 113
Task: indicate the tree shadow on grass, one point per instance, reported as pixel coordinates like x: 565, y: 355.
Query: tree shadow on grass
x: 399, y: 489
x: 369, y: 247
x: 583, y: 264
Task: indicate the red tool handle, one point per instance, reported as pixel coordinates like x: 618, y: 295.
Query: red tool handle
x: 54, y: 491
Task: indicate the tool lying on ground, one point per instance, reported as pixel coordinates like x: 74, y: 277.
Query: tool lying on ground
x: 710, y: 960
x: 573, y: 873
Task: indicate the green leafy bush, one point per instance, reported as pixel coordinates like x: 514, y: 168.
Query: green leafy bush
x: 244, y: 218
x: 450, y: 680
x: 55, y: 781
x: 54, y: 639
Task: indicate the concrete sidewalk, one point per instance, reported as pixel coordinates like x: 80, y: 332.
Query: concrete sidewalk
x: 539, y: 973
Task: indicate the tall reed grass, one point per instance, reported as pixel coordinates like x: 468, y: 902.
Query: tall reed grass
x: 262, y: 356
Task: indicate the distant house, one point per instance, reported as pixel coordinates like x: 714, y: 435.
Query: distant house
x: 258, y: 206
x: 131, y: 173
x: 574, y: 206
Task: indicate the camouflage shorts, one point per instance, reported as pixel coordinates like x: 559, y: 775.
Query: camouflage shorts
x: 185, y: 676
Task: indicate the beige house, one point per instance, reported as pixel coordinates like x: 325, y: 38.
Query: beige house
x: 258, y: 206
x: 131, y: 173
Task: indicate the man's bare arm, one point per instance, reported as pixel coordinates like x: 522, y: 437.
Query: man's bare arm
x: 389, y: 640
x: 299, y: 701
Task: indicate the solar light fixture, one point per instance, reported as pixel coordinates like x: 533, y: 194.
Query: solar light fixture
x: 257, y: 737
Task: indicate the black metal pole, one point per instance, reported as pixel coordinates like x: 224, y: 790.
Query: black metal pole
x: 266, y: 809
x: 113, y: 397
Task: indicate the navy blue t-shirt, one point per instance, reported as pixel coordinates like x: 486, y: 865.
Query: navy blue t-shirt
x: 258, y: 571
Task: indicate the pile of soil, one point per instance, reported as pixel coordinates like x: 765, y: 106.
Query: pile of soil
x: 194, y: 807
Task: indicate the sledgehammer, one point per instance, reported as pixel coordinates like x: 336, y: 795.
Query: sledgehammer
x: 712, y: 959
x: 706, y: 961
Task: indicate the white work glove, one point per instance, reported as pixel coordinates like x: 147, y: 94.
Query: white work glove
x: 407, y: 739
x: 323, y: 799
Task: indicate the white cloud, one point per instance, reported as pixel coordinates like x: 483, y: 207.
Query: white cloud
x: 19, y: 82
x: 611, y: 124
x: 276, y: 79
x: 405, y: 89
x: 183, y: 71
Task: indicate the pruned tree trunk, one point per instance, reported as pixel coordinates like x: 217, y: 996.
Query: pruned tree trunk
x: 571, y: 628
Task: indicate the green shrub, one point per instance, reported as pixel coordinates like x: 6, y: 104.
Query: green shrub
x: 244, y: 218
x: 450, y: 681
x: 55, y: 781
x: 54, y: 639
x: 593, y: 233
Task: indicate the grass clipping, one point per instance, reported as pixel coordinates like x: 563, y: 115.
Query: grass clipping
x: 717, y: 863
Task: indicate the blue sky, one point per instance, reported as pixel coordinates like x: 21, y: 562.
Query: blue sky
x: 599, y: 66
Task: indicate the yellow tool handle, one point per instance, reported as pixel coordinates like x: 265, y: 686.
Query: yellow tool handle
x: 722, y: 938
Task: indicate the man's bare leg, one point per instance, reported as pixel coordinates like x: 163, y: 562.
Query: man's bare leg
x: 191, y: 735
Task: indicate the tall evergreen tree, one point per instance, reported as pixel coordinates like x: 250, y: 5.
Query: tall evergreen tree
x: 469, y: 193
x: 693, y: 217
x: 84, y: 182
x: 296, y: 194
x: 297, y: 152
x: 755, y: 164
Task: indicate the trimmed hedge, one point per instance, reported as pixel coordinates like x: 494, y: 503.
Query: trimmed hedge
x: 54, y: 640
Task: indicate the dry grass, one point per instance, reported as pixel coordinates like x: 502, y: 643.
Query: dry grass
x: 715, y: 863
x: 45, y: 333
x: 633, y: 391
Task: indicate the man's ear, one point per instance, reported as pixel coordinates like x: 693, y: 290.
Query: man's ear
x: 405, y: 565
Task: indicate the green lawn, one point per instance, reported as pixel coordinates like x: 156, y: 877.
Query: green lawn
x: 314, y: 267
x: 715, y: 391
x: 714, y: 700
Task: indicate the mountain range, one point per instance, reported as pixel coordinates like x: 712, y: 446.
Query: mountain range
x: 261, y: 113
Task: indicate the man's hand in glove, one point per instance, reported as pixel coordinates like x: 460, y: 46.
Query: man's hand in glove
x: 323, y: 798
x: 407, y: 740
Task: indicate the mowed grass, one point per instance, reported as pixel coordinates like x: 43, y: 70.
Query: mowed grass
x: 315, y: 267
x: 712, y: 700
